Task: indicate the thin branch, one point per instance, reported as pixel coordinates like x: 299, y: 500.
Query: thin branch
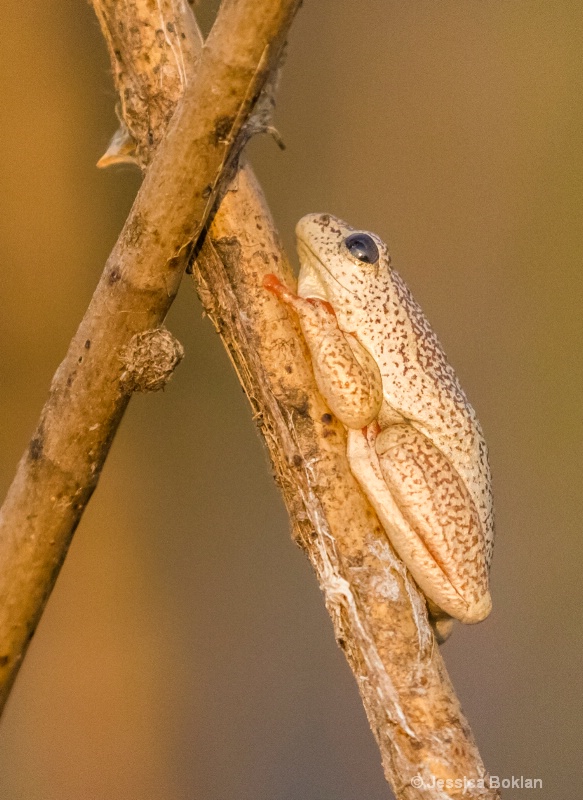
x: 59, y: 471
x: 379, y: 616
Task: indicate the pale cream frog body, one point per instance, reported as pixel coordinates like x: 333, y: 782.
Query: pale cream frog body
x: 414, y: 442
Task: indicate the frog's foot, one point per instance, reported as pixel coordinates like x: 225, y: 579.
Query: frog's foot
x: 300, y: 304
x: 441, y: 622
x: 273, y: 284
x: 428, y: 516
x: 370, y: 433
x: 442, y: 628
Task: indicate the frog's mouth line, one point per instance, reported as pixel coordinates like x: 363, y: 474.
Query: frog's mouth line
x: 310, y: 282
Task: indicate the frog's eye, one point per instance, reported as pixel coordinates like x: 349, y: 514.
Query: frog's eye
x: 363, y: 247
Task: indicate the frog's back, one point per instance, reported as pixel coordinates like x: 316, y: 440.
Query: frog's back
x: 421, y: 385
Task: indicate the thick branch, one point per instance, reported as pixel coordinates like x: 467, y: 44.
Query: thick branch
x: 59, y: 471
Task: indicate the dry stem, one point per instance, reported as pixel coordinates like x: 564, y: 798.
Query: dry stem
x: 59, y: 471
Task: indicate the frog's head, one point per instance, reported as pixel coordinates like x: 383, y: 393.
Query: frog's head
x: 341, y: 265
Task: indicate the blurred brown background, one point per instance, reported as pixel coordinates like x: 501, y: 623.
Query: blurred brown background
x: 186, y: 652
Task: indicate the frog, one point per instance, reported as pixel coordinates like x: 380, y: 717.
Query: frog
x: 414, y: 443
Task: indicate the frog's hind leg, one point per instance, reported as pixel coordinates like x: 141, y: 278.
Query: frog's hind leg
x: 428, y: 516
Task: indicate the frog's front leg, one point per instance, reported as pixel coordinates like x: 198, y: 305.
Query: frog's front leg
x: 347, y: 375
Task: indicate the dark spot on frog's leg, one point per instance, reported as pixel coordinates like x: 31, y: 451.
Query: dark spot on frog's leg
x: 206, y: 192
x: 326, y: 419
x: 170, y: 27
x: 297, y: 461
x: 113, y: 276
x: 87, y: 344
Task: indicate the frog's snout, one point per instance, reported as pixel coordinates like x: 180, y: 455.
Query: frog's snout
x: 322, y: 230
x: 308, y: 223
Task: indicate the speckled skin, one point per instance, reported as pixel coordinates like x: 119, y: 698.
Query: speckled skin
x: 414, y: 442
